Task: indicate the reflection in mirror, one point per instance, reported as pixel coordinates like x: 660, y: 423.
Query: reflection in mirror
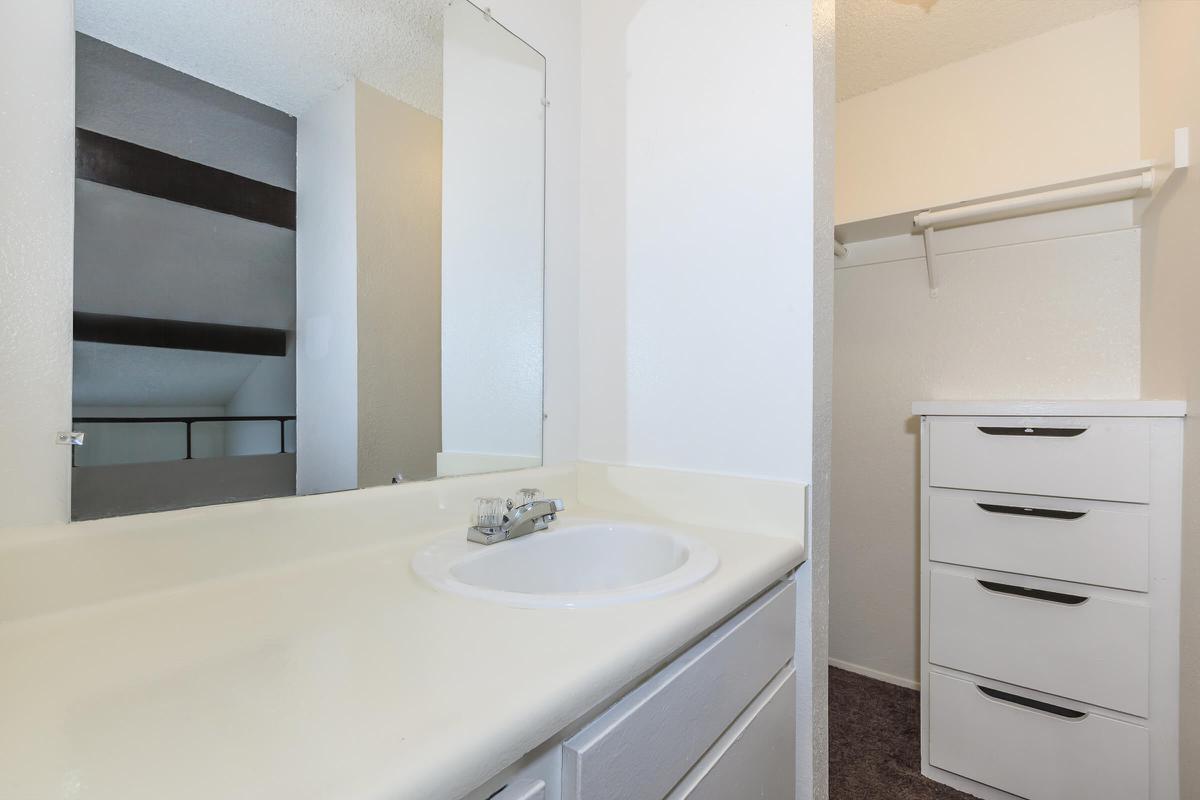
x: 308, y: 249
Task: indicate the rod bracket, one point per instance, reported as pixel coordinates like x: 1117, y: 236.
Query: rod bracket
x: 930, y: 262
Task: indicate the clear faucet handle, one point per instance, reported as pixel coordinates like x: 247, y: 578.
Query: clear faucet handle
x: 490, y: 512
x: 527, y: 496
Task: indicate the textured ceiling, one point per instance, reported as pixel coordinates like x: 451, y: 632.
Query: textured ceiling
x: 116, y: 375
x: 884, y: 41
x: 284, y: 53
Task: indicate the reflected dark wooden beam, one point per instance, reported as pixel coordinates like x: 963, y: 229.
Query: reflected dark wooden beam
x: 176, y: 335
x: 124, y: 165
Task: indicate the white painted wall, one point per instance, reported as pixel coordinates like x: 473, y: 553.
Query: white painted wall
x: 1170, y: 77
x: 37, y: 56
x: 1014, y: 319
x: 493, y: 239
x: 696, y: 275
x: 696, y: 278
x: 327, y: 297
x: 1050, y: 108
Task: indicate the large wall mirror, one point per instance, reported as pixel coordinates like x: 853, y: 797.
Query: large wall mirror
x: 309, y: 248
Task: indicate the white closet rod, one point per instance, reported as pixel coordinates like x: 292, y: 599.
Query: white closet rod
x: 1087, y: 194
x: 1038, y: 203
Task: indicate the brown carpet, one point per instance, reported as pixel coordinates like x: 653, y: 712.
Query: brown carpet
x: 875, y: 742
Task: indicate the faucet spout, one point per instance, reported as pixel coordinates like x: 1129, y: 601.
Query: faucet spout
x: 531, y: 517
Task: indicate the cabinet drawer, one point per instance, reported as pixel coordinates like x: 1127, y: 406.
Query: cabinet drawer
x: 756, y: 757
x: 1102, y: 459
x: 642, y: 746
x: 522, y: 790
x: 1067, y: 540
x: 1034, y: 751
x: 1083, y: 646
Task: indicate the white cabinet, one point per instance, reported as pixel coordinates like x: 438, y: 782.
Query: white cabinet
x: 1093, y: 542
x: 1034, y: 748
x: 718, y: 722
x: 1059, y: 638
x: 1050, y: 599
x: 1098, y: 458
x: 647, y: 742
x: 522, y: 790
x: 756, y: 757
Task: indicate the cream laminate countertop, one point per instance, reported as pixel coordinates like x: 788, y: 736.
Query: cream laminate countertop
x: 341, y: 676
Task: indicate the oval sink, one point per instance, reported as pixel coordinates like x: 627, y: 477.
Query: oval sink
x: 577, y: 565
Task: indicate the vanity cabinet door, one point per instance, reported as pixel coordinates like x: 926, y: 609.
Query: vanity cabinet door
x: 756, y: 757
x: 523, y: 790
x: 645, y: 744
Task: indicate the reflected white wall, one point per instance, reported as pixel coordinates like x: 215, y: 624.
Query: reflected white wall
x: 37, y: 56
x: 327, y: 297
x: 493, y: 241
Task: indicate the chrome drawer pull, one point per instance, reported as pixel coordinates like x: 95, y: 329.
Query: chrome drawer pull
x: 1034, y: 594
x: 1048, y: 513
x: 1059, y: 433
x: 1037, y: 705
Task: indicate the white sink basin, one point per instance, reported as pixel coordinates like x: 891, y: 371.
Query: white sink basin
x: 580, y: 565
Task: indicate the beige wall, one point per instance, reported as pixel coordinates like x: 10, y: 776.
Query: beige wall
x: 1054, y: 107
x: 1047, y: 319
x: 1170, y: 75
x: 1037, y: 308
x: 399, y: 168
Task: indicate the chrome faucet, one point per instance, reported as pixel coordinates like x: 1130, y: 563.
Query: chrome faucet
x: 499, y: 520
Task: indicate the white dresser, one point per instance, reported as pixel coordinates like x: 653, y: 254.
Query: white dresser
x: 1050, y: 546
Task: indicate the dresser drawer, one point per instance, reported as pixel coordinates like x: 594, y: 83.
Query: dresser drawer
x: 1097, y: 543
x: 1084, y: 646
x: 1037, y: 750
x: 1102, y: 459
x: 646, y: 743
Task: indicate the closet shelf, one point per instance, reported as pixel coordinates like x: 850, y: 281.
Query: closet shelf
x: 904, y: 222
x: 1140, y: 181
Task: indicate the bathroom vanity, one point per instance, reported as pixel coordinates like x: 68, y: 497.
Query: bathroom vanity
x: 288, y: 649
x: 1050, y: 538
x: 716, y: 722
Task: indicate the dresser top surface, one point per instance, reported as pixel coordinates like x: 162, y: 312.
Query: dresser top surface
x: 1050, y: 408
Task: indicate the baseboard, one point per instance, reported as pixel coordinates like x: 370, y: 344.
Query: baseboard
x: 876, y: 674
